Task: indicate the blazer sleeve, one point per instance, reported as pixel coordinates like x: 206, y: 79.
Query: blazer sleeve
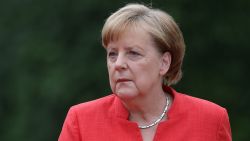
x: 224, y: 129
x: 70, y: 129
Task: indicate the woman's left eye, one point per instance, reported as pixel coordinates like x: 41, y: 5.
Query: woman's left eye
x: 134, y: 53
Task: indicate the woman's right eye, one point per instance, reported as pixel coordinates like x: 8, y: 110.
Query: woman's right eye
x: 111, y: 54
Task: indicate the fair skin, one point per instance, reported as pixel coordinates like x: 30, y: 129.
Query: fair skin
x: 136, y: 70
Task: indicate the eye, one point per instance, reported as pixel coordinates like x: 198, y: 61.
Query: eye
x: 112, y: 55
x: 134, y: 53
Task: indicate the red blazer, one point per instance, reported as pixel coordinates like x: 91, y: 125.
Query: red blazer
x: 105, y: 119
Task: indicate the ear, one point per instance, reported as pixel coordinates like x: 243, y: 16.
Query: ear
x: 165, y: 63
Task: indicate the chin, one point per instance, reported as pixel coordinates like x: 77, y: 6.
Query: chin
x: 126, y: 95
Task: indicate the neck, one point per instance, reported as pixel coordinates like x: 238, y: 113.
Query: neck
x: 147, y: 107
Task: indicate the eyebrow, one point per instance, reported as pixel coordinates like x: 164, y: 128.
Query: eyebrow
x: 129, y: 47
x: 134, y: 46
x: 110, y: 48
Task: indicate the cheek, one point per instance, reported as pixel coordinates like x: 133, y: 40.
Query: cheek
x: 110, y: 73
x: 148, y: 72
x: 109, y: 66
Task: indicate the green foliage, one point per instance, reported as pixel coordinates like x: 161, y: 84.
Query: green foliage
x: 51, y: 58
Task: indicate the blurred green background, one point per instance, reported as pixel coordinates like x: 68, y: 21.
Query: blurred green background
x: 51, y: 58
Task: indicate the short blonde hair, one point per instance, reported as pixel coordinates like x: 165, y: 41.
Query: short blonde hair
x: 161, y: 27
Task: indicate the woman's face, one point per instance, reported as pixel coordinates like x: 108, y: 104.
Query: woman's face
x: 135, y: 66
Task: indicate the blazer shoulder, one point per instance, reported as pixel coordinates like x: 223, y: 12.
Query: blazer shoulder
x: 94, y: 106
x: 215, y: 116
x: 202, y: 106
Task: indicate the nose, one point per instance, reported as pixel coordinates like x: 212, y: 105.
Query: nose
x: 120, y: 63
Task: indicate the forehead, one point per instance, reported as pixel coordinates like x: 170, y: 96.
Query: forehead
x: 116, y: 29
x: 131, y: 33
x: 131, y: 37
x: 137, y: 40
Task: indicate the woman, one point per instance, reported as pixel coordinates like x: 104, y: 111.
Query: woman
x: 145, y: 49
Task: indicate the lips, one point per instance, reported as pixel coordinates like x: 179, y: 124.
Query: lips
x: 122, y: 80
